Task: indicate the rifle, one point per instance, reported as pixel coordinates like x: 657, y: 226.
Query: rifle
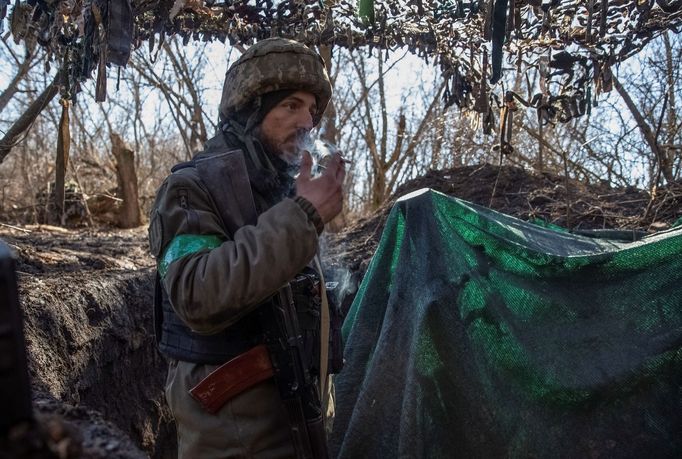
x: 297, y: 389
x: 15, y: 389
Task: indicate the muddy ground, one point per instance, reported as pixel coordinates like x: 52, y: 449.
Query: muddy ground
x: 87, y: 302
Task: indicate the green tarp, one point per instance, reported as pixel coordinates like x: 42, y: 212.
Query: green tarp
x: 475, y: 334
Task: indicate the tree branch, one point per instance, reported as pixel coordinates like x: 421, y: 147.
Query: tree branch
x: 645, y: 129
x: 13, y: 86
x: 25, y: 121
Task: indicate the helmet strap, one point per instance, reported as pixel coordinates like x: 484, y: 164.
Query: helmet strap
x: 244, y: 135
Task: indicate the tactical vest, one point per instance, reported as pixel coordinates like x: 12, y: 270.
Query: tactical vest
x: 177, y: 341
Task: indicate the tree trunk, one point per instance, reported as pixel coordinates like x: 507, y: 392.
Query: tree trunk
x: 329, y: 130
x: 129, y: 215
x: 672, y: 114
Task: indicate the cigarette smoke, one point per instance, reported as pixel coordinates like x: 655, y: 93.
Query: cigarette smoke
x: 342, y: 281
x: 319, y: 149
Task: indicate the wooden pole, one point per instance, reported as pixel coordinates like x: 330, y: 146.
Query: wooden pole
x: 61, y: 162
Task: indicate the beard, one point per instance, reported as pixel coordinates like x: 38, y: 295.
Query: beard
x: 290, y: 150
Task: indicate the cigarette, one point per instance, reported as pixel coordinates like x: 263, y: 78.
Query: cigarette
x: 343, y: 160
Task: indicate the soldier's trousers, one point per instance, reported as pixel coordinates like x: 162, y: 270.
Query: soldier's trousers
x: 251, y: 425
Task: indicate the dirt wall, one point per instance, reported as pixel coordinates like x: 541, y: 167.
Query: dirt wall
x: 87, y: 306
x: 89, y: 344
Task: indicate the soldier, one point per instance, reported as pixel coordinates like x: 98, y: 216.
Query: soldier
x: 236, y: 385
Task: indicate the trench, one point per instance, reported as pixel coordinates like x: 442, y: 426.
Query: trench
x: 93, y: 360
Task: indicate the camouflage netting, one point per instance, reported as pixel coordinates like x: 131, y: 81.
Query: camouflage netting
x: 478, y: 335
x: 572, y: 44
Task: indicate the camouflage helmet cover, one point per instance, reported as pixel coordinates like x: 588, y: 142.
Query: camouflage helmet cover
x: 275, y: 64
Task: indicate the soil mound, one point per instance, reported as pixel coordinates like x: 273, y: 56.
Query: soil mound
x: 514, y: 191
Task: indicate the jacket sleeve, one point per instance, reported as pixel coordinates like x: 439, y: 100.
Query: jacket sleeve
x: 213, y: 280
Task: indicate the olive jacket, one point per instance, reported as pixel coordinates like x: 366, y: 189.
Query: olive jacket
x: 213, y: 279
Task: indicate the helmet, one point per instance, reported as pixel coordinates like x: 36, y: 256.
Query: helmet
x: 271, y: 65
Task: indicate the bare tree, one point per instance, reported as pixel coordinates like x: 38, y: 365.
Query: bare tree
x: 23, y: 65
x: 652, y: 99
x: 179, y: 77
x: 388, y: 145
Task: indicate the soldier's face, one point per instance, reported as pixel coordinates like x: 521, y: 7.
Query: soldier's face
x: 283, y: 127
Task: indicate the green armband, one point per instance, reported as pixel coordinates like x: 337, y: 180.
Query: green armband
x: 186, y: 244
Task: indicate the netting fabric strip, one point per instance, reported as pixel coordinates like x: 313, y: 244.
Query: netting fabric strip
x: 475, y: 334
